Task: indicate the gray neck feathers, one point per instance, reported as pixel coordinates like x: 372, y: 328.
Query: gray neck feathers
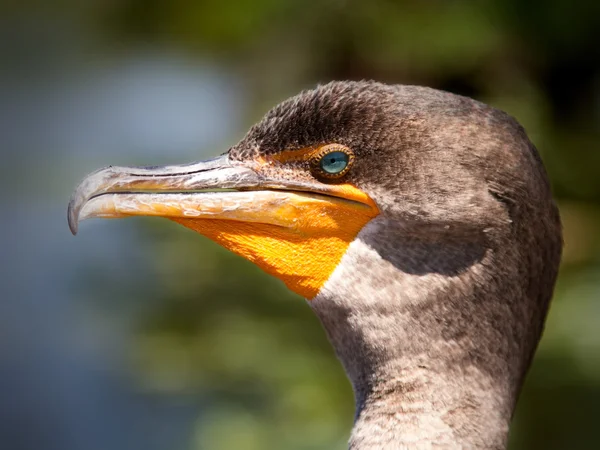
x: 434, y: 336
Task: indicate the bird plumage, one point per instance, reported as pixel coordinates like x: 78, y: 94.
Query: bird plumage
x: 436, y: 304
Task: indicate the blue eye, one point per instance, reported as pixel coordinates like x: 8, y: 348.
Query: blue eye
x: 334, y: 163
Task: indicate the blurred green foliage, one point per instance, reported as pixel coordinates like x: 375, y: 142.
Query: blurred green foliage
x: 223, y: 330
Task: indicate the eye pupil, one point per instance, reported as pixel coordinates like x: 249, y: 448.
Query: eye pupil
x: 334, y: 162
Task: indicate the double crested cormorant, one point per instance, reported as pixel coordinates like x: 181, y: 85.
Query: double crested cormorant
x: 419, y: 224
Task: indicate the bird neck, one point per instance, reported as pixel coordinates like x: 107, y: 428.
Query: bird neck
x: 425, y: 396
x: 419, y: 407
x: 429, y: 363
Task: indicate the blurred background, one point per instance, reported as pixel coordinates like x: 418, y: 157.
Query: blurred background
x: 140, y: 334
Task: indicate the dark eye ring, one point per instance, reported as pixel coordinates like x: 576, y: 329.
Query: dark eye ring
x: 333, y: 161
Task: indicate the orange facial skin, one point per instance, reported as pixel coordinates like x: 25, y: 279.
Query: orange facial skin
x: 303, y: 254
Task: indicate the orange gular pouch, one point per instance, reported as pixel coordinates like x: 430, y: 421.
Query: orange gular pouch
x: 302, y: 242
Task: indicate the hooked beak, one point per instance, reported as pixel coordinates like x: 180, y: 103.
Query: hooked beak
x: 201, y: 190
x: 167, y: 191
x: 297, y: 231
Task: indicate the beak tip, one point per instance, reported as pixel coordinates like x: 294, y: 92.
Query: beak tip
x: 72, y: 218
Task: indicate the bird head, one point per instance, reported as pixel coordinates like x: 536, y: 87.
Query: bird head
x: 404, y: 213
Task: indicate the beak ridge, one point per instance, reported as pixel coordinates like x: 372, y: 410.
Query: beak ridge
x: 217, y: 173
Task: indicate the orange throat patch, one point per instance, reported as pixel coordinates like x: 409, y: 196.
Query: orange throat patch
x: 304, y: 250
